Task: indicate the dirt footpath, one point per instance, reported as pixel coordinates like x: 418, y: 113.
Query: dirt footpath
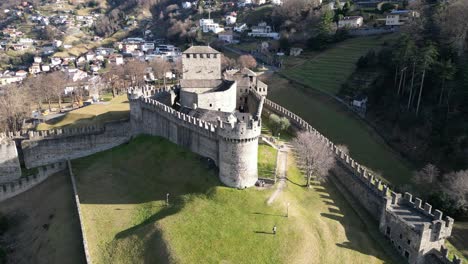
x: 43, y: 224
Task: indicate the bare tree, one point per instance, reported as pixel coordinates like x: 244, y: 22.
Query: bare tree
x: 456, y: 184
x: 114, y: 79
x: 41, y: 90
x: 57, y: 82
x: 427, y: 175
x: 160, y: 67
x: 14, y: 107
x: 247, y: 61
x: 135, y: 71
x: 314, y: 156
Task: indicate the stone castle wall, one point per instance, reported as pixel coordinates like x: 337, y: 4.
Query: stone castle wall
x: 47, y: 147
x: 380, y: 201
x: 22, y: 184
x: 10, y: 168
x: 199, y: 66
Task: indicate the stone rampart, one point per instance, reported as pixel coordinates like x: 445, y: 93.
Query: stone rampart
x: 47, y: 147
x: 20, y: 185
x: 10, y: 168
x: 395, y: 214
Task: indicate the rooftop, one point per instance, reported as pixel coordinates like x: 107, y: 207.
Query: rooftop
x: 200, y: 49
x: 411, y: 216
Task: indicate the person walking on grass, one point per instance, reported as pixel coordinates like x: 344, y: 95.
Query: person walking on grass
x: 274, y: 230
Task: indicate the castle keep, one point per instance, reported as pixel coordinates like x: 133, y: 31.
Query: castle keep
x: 206, y: 114
x: 218, y: 115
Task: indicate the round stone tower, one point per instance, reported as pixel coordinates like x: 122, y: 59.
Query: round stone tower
x: 238, y: 153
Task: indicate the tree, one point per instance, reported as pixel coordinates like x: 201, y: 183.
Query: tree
x: 446, y: 70
x: 135, y: 72
x: 247, y: 61
x: 314, y: 156
x: 14, y: 107
x: 160, y: 67
x: 427, y: 59
x: 57, y: 82
x: 114, y: 78
x: 427, y: 175
x: 278, y: 124
x: 456, y: 185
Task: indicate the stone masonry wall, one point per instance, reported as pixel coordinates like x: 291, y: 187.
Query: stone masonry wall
x: 47, y: 147
x: 374, y: 196
x: 20, y: 185
x: 10, y: 168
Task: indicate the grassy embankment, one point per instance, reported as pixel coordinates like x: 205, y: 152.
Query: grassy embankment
x: 123, y: 191
x: 325, y: 72
x: 115, y: 109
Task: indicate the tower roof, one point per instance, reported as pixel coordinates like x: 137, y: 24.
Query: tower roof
x: 200, y: 49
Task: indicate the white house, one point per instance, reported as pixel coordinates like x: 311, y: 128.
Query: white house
x: 241, y: 28
x: 208, y: 25
x: 277, y: 2
x: 351, y: 22
x: 231, y: 19
x: 226, y: 36
x: 400, y: 17
x: 37, y: 59
x: 186, y: 5
x: 263, y: 31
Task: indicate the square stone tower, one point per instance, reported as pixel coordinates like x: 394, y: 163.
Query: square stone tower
x: 201, y: 63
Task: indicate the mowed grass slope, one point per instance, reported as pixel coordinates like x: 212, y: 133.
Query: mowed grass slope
x: 342, y: 127
x: 116, y: 109
x: 327, y: 70
x: 123, y: 191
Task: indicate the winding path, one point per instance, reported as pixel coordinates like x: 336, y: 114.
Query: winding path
x: 282, y: 164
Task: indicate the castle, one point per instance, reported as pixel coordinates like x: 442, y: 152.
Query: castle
x: 218, y: 115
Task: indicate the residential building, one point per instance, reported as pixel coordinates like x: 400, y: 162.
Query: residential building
x: 226, y: 36
x: 263, y: 31
x: 208, y: 25
x: 351, y: 22
x: 400, y: 17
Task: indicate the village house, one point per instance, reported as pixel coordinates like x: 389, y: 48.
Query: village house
x: 263, y: 31
x: 226, y: 36
x: 277, y: 2
x: 208, y: 25
x: 400, y: 17
x: 231, y: 18
x: 351, y: 22
x: 241, y: 28
x: 116, y: 59
x: 35, y: 68
x: 186, y: 5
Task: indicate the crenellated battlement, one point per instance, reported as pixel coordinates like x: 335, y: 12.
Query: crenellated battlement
x: 169, y: 112
x: 445, y: 258
x: 440, y: 228
x: 16, y: 187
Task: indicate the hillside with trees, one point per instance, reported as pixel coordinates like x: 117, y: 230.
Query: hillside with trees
x: 417, y: 99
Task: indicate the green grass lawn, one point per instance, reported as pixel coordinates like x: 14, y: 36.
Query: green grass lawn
x: 342, y: 127
x: 122, y: 194
x: 327, y: 70
x: 116, y: 109
x: 266, y: 161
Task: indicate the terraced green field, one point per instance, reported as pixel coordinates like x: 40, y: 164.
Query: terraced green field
x: 326, y: 71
